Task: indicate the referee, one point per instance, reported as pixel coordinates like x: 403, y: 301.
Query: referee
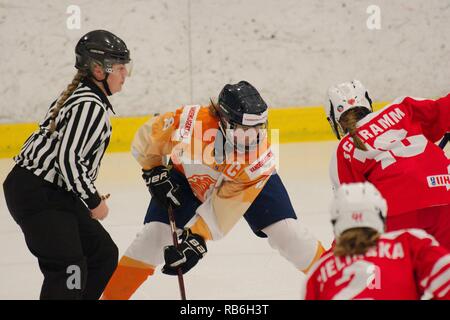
x: 50, y: 192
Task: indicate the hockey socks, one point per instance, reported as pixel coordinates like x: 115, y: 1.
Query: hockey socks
x: 128, y: 277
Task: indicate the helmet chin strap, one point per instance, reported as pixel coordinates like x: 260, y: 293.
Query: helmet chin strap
x: 105, y: 85
x: 104, y: 82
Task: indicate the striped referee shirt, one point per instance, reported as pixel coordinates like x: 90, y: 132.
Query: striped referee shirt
x: 70, y: 157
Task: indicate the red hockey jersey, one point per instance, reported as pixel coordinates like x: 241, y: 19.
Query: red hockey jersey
x: 402, y: 161
x: 405, y: 265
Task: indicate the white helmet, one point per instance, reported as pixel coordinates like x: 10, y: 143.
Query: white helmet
x: 358, y: 205
x: 343, y: 97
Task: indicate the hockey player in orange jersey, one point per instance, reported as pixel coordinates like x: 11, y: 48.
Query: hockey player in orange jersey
x: 368, y: 263
x: 221, y: 169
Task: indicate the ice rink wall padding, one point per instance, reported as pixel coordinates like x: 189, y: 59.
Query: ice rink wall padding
x: 296, y: 124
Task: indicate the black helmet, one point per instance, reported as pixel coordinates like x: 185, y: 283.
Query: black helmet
x: 241, y: 104
x: 103, y: 47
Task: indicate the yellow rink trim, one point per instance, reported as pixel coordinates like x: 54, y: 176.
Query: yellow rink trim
x: 296, y: 124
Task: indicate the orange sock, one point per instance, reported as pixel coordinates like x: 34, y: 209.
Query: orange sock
x: 127, y: 278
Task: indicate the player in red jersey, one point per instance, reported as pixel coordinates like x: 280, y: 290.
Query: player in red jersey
x: 367, y: 263
x: 395, y: 149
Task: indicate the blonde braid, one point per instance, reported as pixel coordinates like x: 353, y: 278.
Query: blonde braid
x: 64, y: 96
x: 348, y: 123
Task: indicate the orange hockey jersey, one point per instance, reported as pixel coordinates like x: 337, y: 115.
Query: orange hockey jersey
x: 225, y: 182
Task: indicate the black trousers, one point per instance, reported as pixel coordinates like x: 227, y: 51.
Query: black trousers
x: 76, y: 255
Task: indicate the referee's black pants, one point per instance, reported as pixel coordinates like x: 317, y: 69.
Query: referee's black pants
x: 76, y: 255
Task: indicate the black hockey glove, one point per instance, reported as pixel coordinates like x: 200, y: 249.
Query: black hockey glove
x: 160, y: 187
x: 191, y: 249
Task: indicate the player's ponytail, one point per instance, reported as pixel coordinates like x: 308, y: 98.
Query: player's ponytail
x: 348, y: 123
x: 64, y: 96
x: 355, y: 241
x: 213, y: 108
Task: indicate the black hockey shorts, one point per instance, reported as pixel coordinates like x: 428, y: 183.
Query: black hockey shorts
x: 76, y: 255
x: 271, y: 205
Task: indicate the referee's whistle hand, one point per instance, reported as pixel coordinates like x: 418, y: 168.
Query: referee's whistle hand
x: 100, y: 212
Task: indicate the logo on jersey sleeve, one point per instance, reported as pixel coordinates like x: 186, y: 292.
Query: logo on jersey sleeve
x: 442, y: 180
x: 262, y: 165
x: 168, y: 122
x: 187, y: 120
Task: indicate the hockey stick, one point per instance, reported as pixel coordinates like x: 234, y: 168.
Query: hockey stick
x: 444, y: 140
x: 173, y: 228
x: 175, y: 243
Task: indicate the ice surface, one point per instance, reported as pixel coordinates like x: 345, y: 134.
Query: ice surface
x: 240, y: 266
